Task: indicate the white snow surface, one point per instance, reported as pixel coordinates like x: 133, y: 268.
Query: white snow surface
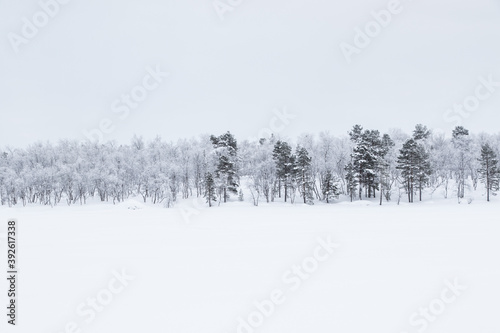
x: 200, y: 274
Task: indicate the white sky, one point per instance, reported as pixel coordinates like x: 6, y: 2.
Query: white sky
x: 231, y: 74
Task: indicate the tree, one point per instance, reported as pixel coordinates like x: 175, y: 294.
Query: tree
x: 414, y: 164
x: 441, y: 156
x: 489, y: 172
x: 462, y: 146
x: 330, y: 187
x: 260, y: 167
x: 421, y: 132
x: 373, y: 156
x: 303, y: 171
x: 407, y: 164
x: 383, y: 164
x: 226, y: 151
x: 351, y: 180
x: 423, y: 169
x: 365, y: 155
x: 285, y: 166
x: 209, y: 189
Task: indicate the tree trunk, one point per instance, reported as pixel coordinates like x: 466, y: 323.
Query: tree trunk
x: 381, y: 191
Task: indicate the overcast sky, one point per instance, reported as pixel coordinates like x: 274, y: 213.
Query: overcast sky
x: 231, y: 73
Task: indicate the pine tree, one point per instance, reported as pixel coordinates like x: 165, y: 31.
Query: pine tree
x: 303, y: 172
x: 462, y: 144
x: 226, y: 173
x: 285, y: 166
x: 365, y: 156
x: 421, y: 132
x: 420, y: 135
x: 330, y: 187
x: 375, y: 156
x: 407, y: 163
x: 209, y: 189
x: 382, y: 163
x: 423, y: 169
x: 351, y: 180
x: 357, y: 157
x: 489, y: 172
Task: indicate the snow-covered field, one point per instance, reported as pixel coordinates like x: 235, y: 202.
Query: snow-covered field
x: 431, y: 266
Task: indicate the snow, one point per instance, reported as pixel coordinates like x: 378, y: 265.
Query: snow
x: 202, y: 273
x: 132, y: 204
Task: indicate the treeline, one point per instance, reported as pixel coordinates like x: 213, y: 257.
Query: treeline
x: 363, y: 164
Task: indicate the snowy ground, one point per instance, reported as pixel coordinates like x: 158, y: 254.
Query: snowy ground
x: 201, y: 269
